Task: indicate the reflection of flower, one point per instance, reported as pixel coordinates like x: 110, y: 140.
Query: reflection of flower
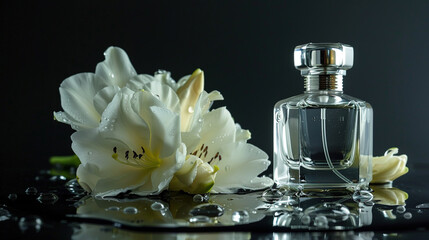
x: 389, y: 195
x: 86, y: 231
x: 134, y: 132
x: 388, y: 167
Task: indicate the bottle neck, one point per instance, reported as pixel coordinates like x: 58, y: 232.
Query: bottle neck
x: 323, y: 83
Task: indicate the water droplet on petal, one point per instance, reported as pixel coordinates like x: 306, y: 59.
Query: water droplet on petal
x: 209, y: 210
x: 423, y: 206
x: 362, y: 196
x: 130, y: 210
x: 157, y: 206
x: 12, y: 196
x: 31, y: 191
x: 30, y: 224
x: 240, y: 216
x: 47, y: 198
x: 199, y: 219
x: 190, y: 109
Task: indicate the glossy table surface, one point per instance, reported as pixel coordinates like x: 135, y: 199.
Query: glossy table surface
x: 42, y: 204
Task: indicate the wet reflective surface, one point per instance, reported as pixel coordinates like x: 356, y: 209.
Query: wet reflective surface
x: 49, y: 206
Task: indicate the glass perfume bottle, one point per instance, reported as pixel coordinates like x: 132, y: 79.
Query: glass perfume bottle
x: 323, y: 138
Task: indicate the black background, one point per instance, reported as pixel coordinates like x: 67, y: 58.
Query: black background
x: 244, y: 47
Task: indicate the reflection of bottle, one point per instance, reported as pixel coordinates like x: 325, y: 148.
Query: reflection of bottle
x: 323, y: 138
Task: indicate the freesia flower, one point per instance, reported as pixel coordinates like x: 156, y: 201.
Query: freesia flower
x: 221, y: 160
x: 134, y: 132
x: 136, y: 147
x: 388, y: 167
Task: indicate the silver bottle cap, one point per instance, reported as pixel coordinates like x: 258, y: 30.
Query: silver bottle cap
x: 323, y: 58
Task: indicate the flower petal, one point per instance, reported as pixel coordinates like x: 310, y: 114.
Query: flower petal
x: 99, y: 171
x: 165, y: 94
x: 218, y: 127
x: 241, y: 164
x: 77, y: 93
x: 104, y: 97
x: 136, y: 83
x: 116, y: 68
x: 164, y: 124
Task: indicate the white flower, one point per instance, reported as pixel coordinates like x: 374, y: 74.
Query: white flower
x: 135, y: 132
x: 219, y: 158
x: 388, y: 167
x: 136, y: 147
x: 85, y: 96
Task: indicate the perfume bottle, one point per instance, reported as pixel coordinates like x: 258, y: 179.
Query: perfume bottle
x: 323, y: 138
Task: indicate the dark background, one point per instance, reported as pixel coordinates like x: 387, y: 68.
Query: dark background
x: 244, y: 47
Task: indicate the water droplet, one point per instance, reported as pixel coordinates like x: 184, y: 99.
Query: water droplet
x: 306, y: 219
x: 400, y: 209
x: 321, y: 221
x: 157, y: 206
x: 31, y: 191
x: 240, y: 216
x: 271, y: 195
x: 263, y: 207
x: 423, y: 206
x: 130, y: 210
x: 199, y: 219
x: 47, y: 198
x: 30, y: 224
x: 200, y: 120
x: 74, y: 187
x: 58, y: 178
x: 408, y: 215
x: 190, y: 109
x: 12, y: 196
x: 209, y: 210
x: 112, y: 208
x: 4, y: 214
x: 362, y: 196
x: 198, y: 198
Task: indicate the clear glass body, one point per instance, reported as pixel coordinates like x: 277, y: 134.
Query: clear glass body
x: 322, y: 140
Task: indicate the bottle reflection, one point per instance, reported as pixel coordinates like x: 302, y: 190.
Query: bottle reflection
x: 325, y: 213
